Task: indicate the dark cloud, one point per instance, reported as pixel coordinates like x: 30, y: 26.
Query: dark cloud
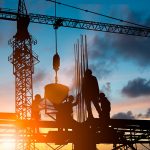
x: 148, y: 113
x: 122, y: 115
x: 137, y: 87
x: 147, y: 22
x: 103, y: 60
x: 101, y: 70
x: 145, y: 115
x: 39, y: 76
x: 133, y: 48
x: 107, y: 49
x: 115, y: 46
x: 130, y: 115
x: 133, y: 16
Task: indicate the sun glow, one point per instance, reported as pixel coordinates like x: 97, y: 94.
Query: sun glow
x: 7, y: 144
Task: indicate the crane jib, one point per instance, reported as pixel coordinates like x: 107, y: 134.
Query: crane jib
x: 7, y: 14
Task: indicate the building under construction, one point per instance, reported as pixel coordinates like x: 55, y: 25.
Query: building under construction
x: 82, y: 133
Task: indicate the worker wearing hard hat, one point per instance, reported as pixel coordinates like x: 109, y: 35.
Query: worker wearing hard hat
x: 90, y: 91
x: 65, y: 110
x: 105, y: 107
x: 35, y: 114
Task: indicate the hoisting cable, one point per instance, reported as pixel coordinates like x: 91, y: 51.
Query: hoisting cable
x: 55, y: 27
x: 56, y: 58
x: 99, y: 14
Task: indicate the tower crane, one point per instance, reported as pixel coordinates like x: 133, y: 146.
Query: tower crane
x: 23, y: 58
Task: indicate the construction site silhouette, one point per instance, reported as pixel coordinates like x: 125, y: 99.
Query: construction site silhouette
x: 71, y: 118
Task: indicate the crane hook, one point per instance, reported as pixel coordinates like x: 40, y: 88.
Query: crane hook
x: 56, y: 64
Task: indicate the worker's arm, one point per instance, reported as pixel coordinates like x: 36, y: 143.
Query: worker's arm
x: 75, y: 103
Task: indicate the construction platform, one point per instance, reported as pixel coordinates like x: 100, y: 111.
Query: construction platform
x: 117, y: 131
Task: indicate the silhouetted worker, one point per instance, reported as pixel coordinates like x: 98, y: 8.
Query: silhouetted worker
x: 36, y: 108
x: 105, y: 106
x: 90, y: 90
x: 65, y: 110
x: 35, y: 114
x: 69, y: 104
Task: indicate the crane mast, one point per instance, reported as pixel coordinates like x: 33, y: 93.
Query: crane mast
x: 23, y: 60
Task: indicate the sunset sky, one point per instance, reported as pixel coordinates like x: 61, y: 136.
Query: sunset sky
x: 120, y: 62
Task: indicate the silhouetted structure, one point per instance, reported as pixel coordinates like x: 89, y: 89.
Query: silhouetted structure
x: 84, y: 137
x: 123, y: 132
x: 23, y: 61
x: 90, y: 90
x: 81, y: 64
x: 106, y: 108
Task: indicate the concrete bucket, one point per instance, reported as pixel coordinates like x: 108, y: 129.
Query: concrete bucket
x: 56, y: 93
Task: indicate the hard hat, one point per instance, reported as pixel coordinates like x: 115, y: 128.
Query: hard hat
x: 88, y: 72
x: 37, y: 96
x: 71, y: 98
x: 102, y: 95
